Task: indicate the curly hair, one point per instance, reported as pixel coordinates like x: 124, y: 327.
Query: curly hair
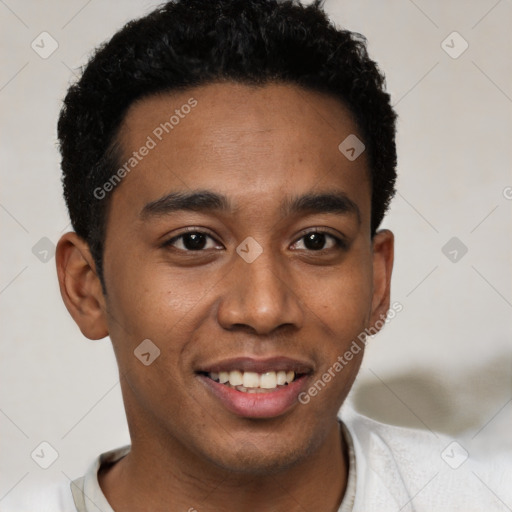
x: 187, y: 43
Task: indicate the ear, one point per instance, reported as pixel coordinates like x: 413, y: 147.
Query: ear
x: 383, y: 254
x: 80, y: 286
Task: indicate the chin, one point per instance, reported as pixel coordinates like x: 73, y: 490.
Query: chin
x: 266, y: 458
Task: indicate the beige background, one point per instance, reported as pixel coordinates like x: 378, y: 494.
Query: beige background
x: 444, y: 362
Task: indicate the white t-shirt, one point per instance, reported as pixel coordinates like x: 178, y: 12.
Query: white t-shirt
x: 390, y: 469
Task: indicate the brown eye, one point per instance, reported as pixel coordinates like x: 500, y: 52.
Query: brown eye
x: 319, y: 241
x: 192, y: 241
x: 314, y: 241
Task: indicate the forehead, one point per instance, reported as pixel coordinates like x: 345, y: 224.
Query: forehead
x: 253, y: 144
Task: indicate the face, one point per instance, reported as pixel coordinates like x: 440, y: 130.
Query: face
x: 240, y: 246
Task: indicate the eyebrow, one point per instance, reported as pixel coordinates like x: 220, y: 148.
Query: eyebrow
x: 207, y: 201
x: 198, y: 201
x: 326, y: 202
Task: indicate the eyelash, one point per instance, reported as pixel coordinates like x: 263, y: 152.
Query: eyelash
x: 339, y: 243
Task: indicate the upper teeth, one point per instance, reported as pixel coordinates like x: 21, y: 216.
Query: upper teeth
x: 268, y: 380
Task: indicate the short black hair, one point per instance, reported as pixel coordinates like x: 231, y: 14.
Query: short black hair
x: 187, y: 43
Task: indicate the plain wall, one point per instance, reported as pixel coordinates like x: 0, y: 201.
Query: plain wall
x: 444, y: 362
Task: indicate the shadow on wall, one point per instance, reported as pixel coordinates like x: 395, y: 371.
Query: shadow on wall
x: 454, y: 404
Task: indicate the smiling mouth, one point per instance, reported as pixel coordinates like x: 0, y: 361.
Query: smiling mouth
x: 253, y: 382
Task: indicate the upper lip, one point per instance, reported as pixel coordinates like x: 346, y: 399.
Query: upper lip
x: 249, y: 364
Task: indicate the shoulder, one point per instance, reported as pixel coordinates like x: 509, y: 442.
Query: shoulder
x: 55, y: 497
x: 421, y: 470
x: 405, y: 446
x: 64, y: 495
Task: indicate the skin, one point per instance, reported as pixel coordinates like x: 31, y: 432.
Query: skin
x: 257, y: 146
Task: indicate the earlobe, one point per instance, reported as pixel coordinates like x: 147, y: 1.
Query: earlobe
x: 80, y: 286
x: 383, y: 254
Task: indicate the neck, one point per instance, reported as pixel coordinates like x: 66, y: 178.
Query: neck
x: 157, y: 479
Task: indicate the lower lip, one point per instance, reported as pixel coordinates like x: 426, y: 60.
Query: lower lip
x: 269, y: 404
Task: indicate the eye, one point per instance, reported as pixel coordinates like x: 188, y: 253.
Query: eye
x: 319, y: 241
x: 192, y: 241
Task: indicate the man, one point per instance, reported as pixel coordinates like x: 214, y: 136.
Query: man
x: 227, y: 165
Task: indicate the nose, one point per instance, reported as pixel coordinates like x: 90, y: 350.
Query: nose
x: 259, y: 296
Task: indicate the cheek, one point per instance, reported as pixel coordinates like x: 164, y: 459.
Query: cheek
x: 148, y: 302
x: 151, y: 294
x: 150, y: 331
x: 342, y: 300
